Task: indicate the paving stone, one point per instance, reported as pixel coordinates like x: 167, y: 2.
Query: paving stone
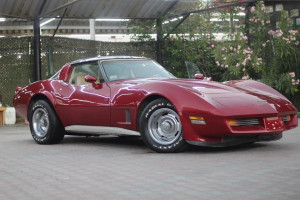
x: 124, y: 168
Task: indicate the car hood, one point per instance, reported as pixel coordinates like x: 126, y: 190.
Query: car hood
x: 207, y: 87
x: 231, y: 99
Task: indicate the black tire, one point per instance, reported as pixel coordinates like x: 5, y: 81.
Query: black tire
x: 160, y: 127
x: 44, y: 124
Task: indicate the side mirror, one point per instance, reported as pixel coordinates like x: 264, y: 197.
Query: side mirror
x: 92, y: 79
x: 199, y: 76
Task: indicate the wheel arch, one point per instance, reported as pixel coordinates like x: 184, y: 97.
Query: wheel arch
x: 36, y: 98
x: 160, y: 128
x: 55, y: 131
x: 144, y: 103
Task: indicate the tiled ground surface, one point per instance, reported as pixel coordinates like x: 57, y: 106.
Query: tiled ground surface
x: 120, y: 168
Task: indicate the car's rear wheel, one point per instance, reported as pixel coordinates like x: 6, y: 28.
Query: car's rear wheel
x: 45, y: 126
x: 160, y: 127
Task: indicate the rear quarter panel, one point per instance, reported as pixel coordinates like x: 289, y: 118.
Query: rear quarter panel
x: 23, y: 98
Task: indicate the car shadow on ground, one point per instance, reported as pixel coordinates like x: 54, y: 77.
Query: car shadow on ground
x: 241, y: 147
x: 137, y: 142
x: 109, y: 140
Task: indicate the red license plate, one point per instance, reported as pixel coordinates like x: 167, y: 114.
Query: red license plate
x: 274, y: 123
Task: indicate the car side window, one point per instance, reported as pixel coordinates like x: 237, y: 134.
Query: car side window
x: 118, y: 70
x: 81, y: 70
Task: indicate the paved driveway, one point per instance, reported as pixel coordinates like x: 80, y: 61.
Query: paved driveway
x: 123, y: 168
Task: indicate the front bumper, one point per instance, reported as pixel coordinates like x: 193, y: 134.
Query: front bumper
x: 218, y: 130
x: 240, y: 139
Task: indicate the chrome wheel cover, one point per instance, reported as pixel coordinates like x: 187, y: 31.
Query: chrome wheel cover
x: 164, y: 126
x: 40, y: 122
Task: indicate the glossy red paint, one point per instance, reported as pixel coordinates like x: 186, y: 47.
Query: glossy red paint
x: 65, y: 71
x: 117, y: 104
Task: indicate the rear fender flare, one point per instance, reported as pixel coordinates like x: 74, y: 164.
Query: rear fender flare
x: 45, y: 95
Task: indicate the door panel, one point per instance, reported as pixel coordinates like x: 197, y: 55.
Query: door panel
x: 79, y: 103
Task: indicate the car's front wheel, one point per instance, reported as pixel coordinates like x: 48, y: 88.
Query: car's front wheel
x: 45, y: 126
x: 160, y: 127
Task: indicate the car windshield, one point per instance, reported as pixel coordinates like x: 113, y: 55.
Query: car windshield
x: 127, y: 69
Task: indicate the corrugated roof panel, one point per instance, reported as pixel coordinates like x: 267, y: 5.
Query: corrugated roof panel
x: 8, y: 7
x: 86, y: 8
x: 39, y: 8
x: 145, y: 8
x: 74, y: 10
x: 91, y: 7
x: 116, y: 8
x: 18, y: 8
x: 94, y: 9
x: 152, y: 9
x: 126, y: 9
x: 26, y: 8
x: 50, y: 5
x: 135, y: 9
x: 107, y: 9
x: 33, y: 6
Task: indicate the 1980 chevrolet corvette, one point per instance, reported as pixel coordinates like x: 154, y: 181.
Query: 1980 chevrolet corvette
x: 138, y: 94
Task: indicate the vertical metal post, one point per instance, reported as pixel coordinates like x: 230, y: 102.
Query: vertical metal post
x: 50, y: 62
x: 158, y: 40
x: 37, y: 49
x: 92, y: 29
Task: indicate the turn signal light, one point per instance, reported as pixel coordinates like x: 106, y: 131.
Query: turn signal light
x: 233, y: 122
x: 287, y: 118
x: 197, y: 120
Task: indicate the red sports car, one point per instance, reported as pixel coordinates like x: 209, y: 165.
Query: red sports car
x: 138, y: 94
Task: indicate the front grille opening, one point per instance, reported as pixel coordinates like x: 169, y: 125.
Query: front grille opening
x: 248, y: 122
x: 244, y: 122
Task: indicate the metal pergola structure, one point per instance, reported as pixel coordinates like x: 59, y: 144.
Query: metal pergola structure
x: 35, y: 10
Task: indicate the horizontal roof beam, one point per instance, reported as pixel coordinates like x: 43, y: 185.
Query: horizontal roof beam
x: 221, y: 6
x: 14, y: 16
x: 29, y: 27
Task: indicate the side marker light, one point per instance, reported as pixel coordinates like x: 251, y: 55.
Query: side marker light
x: 197, y: 120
